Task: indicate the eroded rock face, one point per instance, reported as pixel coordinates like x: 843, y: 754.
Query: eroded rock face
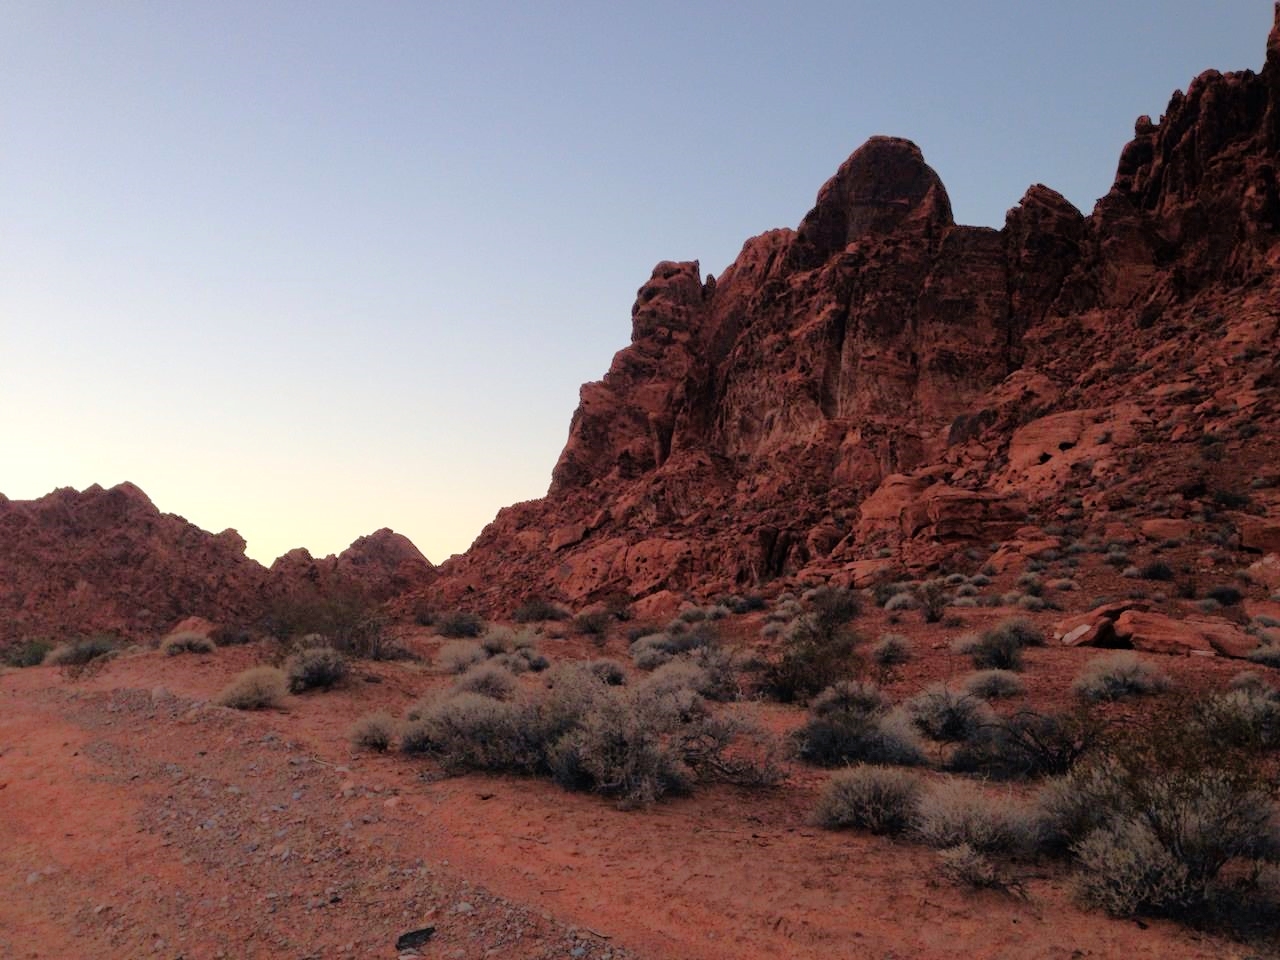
x: 881, y: 378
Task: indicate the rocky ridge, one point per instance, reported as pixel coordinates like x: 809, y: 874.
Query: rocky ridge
x: 109, y: 560
x: 882, y: 388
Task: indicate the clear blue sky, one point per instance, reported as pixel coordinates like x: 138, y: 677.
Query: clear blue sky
x: 310, y: 269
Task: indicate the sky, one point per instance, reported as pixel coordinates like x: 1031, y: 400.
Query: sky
x: 310, y: 269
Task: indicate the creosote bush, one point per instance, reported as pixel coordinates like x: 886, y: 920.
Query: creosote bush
x: 947, y: 716
x: 1156, y: 819
x: 850, y: 722
x: 257, y: 688
x: 374, y: 731
x: 188, y: 641
x: 1117, y: 676
x: 817, y: 650
x: 315, y: 668
x: 879, y: 799
x: 539, y: 610
x: 458, y: 624
x: 347, y: 619
x: 28, y: 653
x: 1028, y: 744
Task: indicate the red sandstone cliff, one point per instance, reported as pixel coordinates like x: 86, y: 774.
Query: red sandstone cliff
x: 881, y: 380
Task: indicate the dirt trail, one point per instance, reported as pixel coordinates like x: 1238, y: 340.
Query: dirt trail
x: 138, y: 821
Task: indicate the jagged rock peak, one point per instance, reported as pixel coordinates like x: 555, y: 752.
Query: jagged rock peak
x: 884, y: 187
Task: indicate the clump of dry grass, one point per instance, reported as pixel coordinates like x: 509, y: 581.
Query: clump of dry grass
x: 257, y: 688
x: 374, y: 731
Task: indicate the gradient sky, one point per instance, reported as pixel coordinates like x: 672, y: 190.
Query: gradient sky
x: 311, y: 269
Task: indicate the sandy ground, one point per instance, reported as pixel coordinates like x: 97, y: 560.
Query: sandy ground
x: 137, y: 820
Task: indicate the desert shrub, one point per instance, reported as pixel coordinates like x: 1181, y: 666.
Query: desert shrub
x: 1117, y: 676
x: 882, y: 592
x: 815, y: 653
x: 594, y: 623
x: 521, y: 660
x: 638, y: 746
x: 1248, y: 716
x: 373, y: 731
x: 488, y: 680
x: 965, y: 644
x: 1169, y: 809
x: 1032, y: 602
x: 997, y: 650
x: 964, y: 866
x: 933, y: 599
x: 609, y: 672
x: 188, y: 641
x: 635, y: 745
x: 1020, y: 629
x: 538, y: 610
x: 315, y: 668
x: 946, y: 716
x: 850, y: 722
x: 1028, y: 744
x: 877, y: 799
x: 953, y: 812
x: 345, y: 616
x: 458, y: 656
x: 692, y: 614
x: 654, y: 649
x: 1268, y: 656
x: 748, y: 603
x: 228, y: 636
x: 1224, y: 594
x: 77, y: 653
x: 257, y: 688
x: 1030, y: 583
x: 994, y: 685
x: 457, y: 624
x: 469, y: 731
x: 1157, y: 570
x: 891, y: 650
x: 27, y: 653
x: 833, y: 607
x: 901, y: 601
x: 497, y: 640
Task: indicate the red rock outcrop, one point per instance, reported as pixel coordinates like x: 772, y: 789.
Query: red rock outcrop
x: 883, y: 379
x: 108, y: 560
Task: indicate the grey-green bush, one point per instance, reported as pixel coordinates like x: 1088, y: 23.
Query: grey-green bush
x: 257, y: 688
x: 315, y: 668
x: 1117, y: 676
x: 879, y: 799
x: 953, y: 812
x: 373, y: 731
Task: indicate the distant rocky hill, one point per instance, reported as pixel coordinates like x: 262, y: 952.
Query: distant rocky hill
x: 108, y: 560
x: 884, y: 388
